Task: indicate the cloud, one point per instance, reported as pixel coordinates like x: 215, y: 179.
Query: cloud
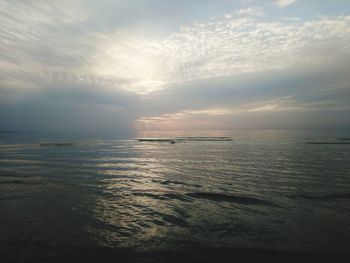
x: 78, y: 65
x: 251, y: 11
x: 226, y: 47
x: 66, y: 103
x: 284, y: 3
x: 252, y: 100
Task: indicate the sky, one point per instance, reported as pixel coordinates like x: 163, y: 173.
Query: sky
x: 105, y: 65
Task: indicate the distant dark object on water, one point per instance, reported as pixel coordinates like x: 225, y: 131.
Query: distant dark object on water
x: 182, y: 139
x: 204, y: 138
x: 156, y: 140
x: 55, y: 144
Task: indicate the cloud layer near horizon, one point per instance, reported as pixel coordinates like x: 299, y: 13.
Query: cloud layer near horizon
x: 89, y: 65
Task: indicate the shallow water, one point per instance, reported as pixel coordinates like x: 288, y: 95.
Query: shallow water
x: 265, y: 190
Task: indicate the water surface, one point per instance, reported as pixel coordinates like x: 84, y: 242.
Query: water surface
x: 269, y: 190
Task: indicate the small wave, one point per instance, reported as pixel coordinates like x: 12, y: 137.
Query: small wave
x: 328, y: 197
x: 19, y: 182
x: 168, y: 182
x: 56, y: 144
x: 169, y: 218
x: 165, y: 196
x: 154, y: 196
x: 330, y: 142
x: 177, y: 197
x: 218, y: 197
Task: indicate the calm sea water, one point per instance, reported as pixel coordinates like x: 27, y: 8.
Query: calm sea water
x: 264, y: 189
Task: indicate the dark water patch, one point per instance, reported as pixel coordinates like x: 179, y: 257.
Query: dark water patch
x: 7, y: 131
x: 56, y: 144
x: 329, y: 197
x: 218, y: 197
x: 39, y: 252
x: 7, y: 173
x: 20, y: 182
x: 13, y: 197
x: 331, y: 142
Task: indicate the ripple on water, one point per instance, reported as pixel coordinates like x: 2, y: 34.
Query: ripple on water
x: 125, y: 193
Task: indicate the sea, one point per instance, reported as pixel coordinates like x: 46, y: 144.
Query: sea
x: 71, y: 198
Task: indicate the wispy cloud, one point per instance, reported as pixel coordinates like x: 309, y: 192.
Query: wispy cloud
x: 226, y: 47
x: 284, y: 3
x: 251, y: 11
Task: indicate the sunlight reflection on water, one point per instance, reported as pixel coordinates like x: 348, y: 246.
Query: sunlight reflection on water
x: 264, y: 190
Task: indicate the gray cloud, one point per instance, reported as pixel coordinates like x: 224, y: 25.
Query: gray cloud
x: 109, y: 65
x: 68, y: 105
x: 274, y: 99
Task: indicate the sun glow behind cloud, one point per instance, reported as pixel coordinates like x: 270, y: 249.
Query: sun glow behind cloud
x: 185, y: 119
x: 199, y: 65
x: 130, y: 57
x: 221, y: 47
